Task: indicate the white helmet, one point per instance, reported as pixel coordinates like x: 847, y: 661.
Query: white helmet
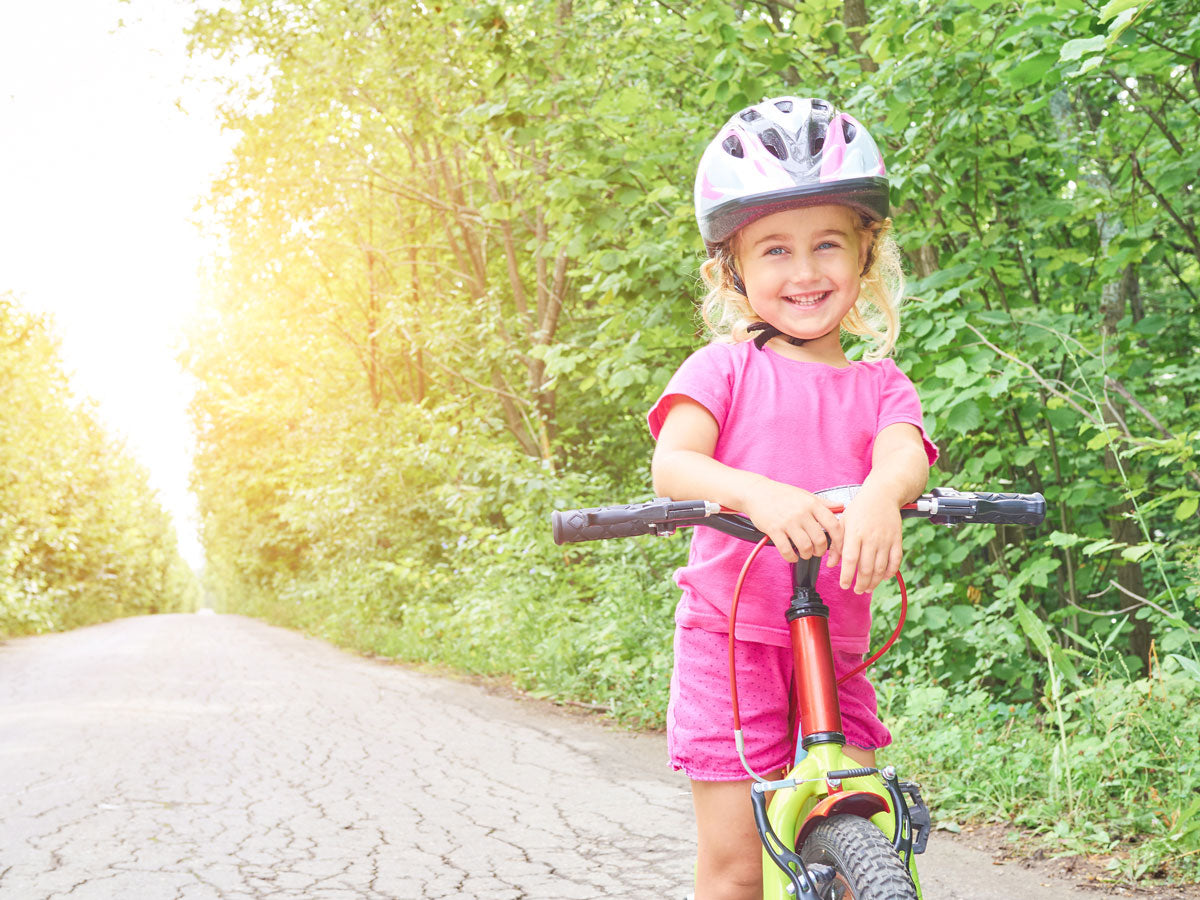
x: 785, y: 153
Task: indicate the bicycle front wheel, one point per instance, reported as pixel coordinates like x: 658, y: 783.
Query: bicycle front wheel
x: 866, y: 864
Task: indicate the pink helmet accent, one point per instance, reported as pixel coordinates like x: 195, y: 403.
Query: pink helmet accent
x: 783, y: 153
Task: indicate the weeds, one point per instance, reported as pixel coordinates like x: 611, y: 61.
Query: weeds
x: 1130, y: 744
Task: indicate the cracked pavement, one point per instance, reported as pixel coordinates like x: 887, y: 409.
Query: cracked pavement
x: 200, y: 756
x: 193, y: 756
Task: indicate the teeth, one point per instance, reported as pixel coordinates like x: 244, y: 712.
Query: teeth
x: 807, y: 300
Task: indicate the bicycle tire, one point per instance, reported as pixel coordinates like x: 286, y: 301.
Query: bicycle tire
x: 866, y: 864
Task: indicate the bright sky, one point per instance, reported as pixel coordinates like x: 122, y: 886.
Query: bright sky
x: 105, y: 148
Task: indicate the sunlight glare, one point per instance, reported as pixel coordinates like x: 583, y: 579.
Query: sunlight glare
x: 106, y: 146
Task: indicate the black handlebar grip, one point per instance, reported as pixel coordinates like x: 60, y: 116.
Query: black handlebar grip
x: 1010, y: 509
x: 600, y: 523
x: 950, y: 507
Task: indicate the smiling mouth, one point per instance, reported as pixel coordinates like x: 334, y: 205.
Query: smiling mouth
x: 806, y: 301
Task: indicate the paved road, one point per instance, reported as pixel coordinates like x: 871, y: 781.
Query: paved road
x: 210, y: 756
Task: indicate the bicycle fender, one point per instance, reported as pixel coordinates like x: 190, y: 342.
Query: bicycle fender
x: 846, y: 803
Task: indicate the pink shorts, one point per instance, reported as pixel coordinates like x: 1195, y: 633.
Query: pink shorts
x: 700, y: 716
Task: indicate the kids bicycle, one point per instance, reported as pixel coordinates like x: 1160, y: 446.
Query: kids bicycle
x: 834, y: 829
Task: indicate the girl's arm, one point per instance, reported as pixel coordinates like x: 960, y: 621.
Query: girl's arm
x: 899, y: 473
x: 684, y: 469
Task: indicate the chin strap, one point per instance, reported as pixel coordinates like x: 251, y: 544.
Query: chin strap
x: 768, y: 331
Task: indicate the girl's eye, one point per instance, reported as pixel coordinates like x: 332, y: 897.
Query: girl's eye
x: 776, y: 251
x: 826, y: 245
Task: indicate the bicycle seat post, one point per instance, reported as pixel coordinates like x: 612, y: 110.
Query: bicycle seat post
x: 816, y: 683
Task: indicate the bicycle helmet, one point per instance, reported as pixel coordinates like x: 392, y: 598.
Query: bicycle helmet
x: 781, y: 154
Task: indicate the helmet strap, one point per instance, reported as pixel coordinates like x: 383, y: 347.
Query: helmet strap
x: 877, y: 230
x: 767, y: 331
x: 870, y: 261
x: 737, y: 282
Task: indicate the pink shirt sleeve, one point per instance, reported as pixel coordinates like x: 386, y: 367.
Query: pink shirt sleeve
x: 898, y: 402
x: 705, y: 377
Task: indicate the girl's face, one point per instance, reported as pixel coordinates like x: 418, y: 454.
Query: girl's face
x: 801, y: 269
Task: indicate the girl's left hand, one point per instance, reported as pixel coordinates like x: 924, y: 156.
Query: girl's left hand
x: 870, y: 541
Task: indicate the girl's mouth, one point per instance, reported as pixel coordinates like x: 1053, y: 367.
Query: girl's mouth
x: 807, y: 301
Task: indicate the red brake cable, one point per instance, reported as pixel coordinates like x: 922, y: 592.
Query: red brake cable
x: 737, y: 592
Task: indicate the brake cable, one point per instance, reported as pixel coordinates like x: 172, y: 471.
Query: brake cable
x: 737, y: 592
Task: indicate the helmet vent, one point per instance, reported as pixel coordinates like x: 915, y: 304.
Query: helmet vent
x: 784, y: 106
x: 733, y: 146
x: 816, y: 138
x: 848, y: 130
x: 773, y: 141
x: 820, y: 104
x: 749, y: 115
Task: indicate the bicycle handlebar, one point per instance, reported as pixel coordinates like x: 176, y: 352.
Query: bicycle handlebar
x: 662, y: 516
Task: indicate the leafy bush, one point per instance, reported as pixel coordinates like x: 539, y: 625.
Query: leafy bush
x: 1121, y: 781
x: 82, y: 536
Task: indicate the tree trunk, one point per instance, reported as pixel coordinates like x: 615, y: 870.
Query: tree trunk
x: 1113, y: 298
x: 1123, y: 527
x: 854, y: 17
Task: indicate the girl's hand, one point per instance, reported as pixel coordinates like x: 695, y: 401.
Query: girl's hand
x: 799, y: 523
x: 871, y: 545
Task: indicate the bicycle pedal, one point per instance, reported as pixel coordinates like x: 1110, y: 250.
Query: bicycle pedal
x: 918, y: 815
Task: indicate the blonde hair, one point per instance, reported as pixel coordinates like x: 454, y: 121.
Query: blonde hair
x: 875, y: 315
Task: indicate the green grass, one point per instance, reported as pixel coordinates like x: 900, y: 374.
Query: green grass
x: 1131, y: 748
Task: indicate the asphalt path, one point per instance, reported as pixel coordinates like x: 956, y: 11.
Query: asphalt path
x: 206, y: 756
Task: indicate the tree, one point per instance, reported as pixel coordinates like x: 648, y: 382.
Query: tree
x: 82, y: 536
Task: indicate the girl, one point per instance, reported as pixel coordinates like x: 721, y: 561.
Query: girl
x: 792, y: 203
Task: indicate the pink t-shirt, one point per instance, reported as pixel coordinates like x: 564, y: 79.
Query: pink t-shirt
x: 806, y: 424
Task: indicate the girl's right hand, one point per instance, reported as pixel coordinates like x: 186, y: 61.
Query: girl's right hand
x: 800, y: 524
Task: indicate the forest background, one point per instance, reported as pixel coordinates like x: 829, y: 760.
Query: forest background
x: 84, y: 538
x: 461, y: 263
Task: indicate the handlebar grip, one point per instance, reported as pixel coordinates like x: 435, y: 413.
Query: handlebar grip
x: 952, y: 507
x: 1010, y: 509
x: 600, y: 523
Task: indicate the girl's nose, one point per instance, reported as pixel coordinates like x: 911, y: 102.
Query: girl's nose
x: 803, y: 269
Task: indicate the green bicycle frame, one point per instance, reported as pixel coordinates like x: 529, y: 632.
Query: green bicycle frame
x: 793, y: 811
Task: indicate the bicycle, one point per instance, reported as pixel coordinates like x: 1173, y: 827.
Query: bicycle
x: 833, y: 829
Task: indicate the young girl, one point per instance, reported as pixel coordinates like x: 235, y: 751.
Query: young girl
x: 792, y: 203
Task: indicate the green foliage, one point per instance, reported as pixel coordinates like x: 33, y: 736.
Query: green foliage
x: 82, y: 537
x: 461, y: 265
x: 1131, y: 795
